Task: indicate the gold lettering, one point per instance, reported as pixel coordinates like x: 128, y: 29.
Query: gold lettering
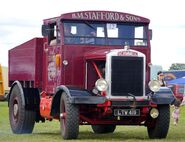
x: 132, y: 18
x: 127, y: 17
x: 111, y: 16
x: 98, y: 15
x: 105, y: 16
x: 116, y: 16
x: 93, y: 16
x: 122, y: 17
x: 74, y: 16
x: 137, y: 19
x: 86, y: 15
x: 81, y: 16
x: 89, y: 15
x: 78, y: 15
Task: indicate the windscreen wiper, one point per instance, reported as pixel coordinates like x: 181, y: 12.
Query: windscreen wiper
x: 91, y: 26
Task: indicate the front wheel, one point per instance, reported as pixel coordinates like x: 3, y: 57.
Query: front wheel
x: 160, y: 126
x: 69, y: 118
x: 21, y: 120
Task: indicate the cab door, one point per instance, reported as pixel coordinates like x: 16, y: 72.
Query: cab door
x: 52, y: 60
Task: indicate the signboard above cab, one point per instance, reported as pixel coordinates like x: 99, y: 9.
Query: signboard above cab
x: 104, y: 16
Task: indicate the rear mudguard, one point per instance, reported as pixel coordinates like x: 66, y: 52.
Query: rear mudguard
x: 163, y: 96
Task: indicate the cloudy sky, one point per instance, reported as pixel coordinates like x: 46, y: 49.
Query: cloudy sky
x: 21, y: 20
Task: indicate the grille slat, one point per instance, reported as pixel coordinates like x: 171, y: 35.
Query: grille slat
x: 127, y: 76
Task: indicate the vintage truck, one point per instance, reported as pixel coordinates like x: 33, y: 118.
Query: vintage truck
x: 89, y: 68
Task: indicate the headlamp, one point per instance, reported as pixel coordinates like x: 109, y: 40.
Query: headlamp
x: 101, y: 84
x: 154, y: 85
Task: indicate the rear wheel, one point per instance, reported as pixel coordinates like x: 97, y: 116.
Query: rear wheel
x: 21, y: 120
x: 69, y: 118
x: 102, y: 129
x: 160, y: 126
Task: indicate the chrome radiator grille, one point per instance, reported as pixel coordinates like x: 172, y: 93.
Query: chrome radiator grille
x: 127, y: 76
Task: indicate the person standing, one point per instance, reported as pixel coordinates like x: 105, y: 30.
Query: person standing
x: 176, y: 112
x: 160, y: 77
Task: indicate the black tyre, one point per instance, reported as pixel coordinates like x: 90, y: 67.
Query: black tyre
x: 160, y: 126
x: 21, y: 120
x: 103, y: 129
x: 69, y: 118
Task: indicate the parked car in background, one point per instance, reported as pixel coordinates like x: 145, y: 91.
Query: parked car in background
x: 178, y: 90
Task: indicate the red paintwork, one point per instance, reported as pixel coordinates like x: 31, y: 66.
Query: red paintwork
x: 25, y: 62
x: 145, y: 110
x: 48, y: 56
x: 74, y: 73
x: 97, y: 54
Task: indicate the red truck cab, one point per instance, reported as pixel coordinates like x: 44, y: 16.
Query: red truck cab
x: 90, y: 68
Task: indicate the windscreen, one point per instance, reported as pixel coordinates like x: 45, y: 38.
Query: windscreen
x: 103, y: 33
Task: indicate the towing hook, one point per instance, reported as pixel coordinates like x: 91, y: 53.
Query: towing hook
x: 134, y: 100
x: 134, y: 104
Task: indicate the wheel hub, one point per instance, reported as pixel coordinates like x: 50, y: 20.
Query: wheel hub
x: 62, y: 115
x: 15, y: 109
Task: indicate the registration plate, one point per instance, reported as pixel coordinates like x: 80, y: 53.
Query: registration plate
x: 126, y: 112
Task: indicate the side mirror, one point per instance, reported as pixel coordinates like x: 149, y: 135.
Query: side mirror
x: 150, y: 34
x: 45, y: 30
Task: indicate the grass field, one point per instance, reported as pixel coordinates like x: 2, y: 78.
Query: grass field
x: 50, y: 132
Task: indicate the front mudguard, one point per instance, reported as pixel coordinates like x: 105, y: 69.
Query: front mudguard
x: 76, y: 96
x: 81, y: 96
x: 163, y: 96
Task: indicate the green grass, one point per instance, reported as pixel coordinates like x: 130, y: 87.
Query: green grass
x: 50, y: 132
